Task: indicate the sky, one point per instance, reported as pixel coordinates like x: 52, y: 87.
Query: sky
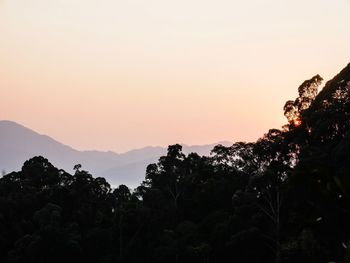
x: 118, y: 75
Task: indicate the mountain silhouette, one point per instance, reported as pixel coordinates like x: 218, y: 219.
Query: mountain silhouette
x: 19, y: 143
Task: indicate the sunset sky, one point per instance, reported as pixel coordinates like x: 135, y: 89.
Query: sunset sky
x: 123, y: 74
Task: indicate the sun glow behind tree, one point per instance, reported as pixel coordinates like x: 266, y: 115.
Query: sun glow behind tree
x: 308, y: 91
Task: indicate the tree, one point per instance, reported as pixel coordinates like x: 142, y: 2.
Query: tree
x: 307, y: 93
x: 169, y: 174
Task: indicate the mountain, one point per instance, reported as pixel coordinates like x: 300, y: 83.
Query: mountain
x: 18, y: 144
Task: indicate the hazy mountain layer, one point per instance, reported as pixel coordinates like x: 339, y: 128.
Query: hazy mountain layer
x: 18, y: 144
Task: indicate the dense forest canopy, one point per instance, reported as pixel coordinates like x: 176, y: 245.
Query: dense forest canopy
x: 283, y: 198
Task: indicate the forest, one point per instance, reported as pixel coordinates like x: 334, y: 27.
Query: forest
x: 283, y: 198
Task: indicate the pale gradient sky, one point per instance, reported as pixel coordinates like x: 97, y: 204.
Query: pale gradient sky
x: 117, y: 75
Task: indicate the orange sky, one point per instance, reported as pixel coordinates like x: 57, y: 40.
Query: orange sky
x: 117, y: 75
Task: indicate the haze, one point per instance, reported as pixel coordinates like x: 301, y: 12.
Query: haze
x: 117, y: 75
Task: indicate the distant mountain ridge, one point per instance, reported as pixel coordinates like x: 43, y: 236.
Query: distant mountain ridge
x: 19, y: 143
